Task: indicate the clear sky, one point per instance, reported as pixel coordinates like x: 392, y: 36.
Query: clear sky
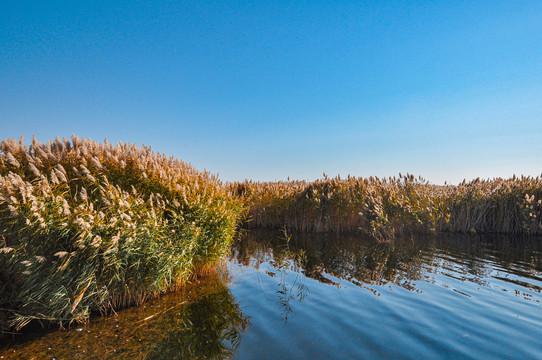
x: 270, y: 89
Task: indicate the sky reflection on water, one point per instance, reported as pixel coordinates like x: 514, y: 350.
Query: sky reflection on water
x: 418, y: 297
x: 331, y: 297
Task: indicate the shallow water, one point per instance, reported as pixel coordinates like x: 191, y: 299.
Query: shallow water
x: 331, y: 297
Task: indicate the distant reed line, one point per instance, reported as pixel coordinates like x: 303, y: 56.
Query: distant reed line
x: 384, y: 207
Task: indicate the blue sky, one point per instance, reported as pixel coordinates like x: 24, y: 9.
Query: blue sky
x: 266, y: 90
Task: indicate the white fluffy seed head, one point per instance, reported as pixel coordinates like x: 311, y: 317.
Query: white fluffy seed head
x: 13, y: 210
x: 33, y: 169
x: 83, y: 194
x: 97, y: 241
x: 61, y: 254
x: 60, y: 175
x: 12, y: 161
x: 53, y: 178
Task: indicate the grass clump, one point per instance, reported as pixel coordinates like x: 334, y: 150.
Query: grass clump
x: 386, y: 207
x: 90, y: 227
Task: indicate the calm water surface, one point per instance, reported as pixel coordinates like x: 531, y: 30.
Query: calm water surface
x: 331, y: 297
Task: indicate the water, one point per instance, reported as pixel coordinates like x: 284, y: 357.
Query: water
x: 331, y: 297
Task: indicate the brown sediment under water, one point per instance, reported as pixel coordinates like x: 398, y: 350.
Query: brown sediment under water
x: 307, y: 296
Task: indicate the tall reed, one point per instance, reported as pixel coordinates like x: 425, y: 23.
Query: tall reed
x: 388, y: 206
x: 89, y: 227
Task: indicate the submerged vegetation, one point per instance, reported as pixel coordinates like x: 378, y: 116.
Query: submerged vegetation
x: 91, y: 227
x: 385, y: 207
x: 202, y: 321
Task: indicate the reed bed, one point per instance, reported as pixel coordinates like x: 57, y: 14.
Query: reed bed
x: 91, y: 227
x: 385, y: 207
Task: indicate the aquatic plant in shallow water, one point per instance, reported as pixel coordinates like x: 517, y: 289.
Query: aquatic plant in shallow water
x: 202, y: 321
x: 89, y: 227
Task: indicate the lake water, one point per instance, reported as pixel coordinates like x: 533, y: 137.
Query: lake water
x: 302, y: 296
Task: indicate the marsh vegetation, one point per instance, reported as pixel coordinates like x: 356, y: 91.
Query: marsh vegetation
x: 89, y: 227
x: 385, y: 207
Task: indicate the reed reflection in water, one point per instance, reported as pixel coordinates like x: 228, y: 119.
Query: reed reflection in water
x: 442, y: 296
x: 203, y: 321
x: 307, y: 296
x: 364, y: 261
